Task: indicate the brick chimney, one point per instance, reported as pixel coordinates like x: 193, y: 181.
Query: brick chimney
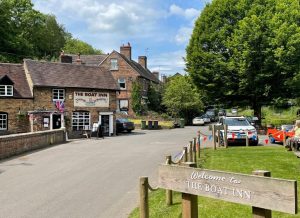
x: 65, y: 58
x: 126, y: 50
x: 143, y: 61
x: 156, y: 74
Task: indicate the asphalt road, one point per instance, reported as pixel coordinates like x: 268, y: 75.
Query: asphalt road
x: 86, y: 178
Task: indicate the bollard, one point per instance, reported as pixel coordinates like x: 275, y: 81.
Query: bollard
x: 219, y: 138
x: 198, y: 144
x: 225, y: 136
x: 247, y: 139
x: 144, y: 201
x: 169, y: 193
x: 214, y: 136
x: 189, y: 201
x: 258, y: 212
x: 191, y: 152
x: 185, y: 156
x: 283, y: 140
x: 194, y: 150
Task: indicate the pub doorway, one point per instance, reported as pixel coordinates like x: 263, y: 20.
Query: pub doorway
x: 56, y: 121
x: 106, y: 120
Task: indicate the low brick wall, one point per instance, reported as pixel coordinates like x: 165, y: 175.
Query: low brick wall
x: 15, y: 144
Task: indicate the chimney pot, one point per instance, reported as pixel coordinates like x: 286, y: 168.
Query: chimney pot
x: 126, y: 50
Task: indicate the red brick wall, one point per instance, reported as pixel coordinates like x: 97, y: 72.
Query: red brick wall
x: 15, y: 144
x: 130, y: 75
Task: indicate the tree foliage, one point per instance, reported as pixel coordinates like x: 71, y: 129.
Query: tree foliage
x: 181, y: 98
x: 155, y: 97
x: 74, y: 46
x: 136, y: 98
x: 28, y: 33
x: 246, y: 51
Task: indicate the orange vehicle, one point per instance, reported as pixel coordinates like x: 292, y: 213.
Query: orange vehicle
x: 276, y: 134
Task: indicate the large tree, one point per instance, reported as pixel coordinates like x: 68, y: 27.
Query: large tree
x: 181, y: 98
x: 74, y: 46
x: 245, y: 52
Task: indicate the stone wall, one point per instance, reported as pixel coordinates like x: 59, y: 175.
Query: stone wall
x: 15, y: 144
x: 16, y: 110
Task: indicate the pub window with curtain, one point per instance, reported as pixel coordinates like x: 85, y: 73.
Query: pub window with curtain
x: 124, y: 105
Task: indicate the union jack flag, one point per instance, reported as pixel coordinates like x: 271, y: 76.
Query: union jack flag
x: 60, y: 106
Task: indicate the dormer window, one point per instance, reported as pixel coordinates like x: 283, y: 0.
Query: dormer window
x: 6, y: 90
x: 114, y: 64
x: 58, y: 94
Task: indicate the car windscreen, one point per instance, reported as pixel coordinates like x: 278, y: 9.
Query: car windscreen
x: 236, y: 122
x: 210, y: 113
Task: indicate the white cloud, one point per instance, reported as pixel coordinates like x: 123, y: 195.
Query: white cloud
x: 183, y: 35
x: 168, y: 63
x: 121, y: 17
x: 188, y: 13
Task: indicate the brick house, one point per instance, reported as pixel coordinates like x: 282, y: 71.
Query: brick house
x: 77, y: 97
x: 124, y: 70
x: 15, y: 99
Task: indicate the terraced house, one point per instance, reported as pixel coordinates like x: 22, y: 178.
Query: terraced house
x: 49, y: 95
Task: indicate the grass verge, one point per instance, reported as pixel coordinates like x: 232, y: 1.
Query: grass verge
x: 281, y: 163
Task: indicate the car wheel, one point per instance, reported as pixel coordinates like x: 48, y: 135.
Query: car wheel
x: 272, y: 140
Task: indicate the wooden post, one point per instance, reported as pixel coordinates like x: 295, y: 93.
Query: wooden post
x: 225, y: 136
x: 283, y: 140
x: 169, y: 193
x: 214, y: 136
x: 261, y: 212
x: 144, y: 201
x: 189, y: 201
x: 185, y: 156
x: 191, y: 152
x: 198, y: 144
x: 194, y: 150
x: 219, y: 138
x: 247, y: 138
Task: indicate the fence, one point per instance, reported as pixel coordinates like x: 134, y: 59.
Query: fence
x: 258, y: 190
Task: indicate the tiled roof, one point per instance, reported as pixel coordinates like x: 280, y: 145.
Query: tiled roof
x: 50, y: 74
x: 16, y: 73
x: 140, y: 70
x: 89, y: 60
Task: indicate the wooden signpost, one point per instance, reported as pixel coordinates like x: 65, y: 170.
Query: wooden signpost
x: 257, y: 191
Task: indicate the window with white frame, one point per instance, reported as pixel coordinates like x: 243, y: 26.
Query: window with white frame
x: 58, y: 94
x: 81, y: 120
x: 6, y: 90
x: 114, y: 64
x: 122, y: 83
x: 3, y: 121
x: 123, y: 104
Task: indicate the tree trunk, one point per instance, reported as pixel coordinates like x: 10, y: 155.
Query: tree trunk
x: 257, y: 111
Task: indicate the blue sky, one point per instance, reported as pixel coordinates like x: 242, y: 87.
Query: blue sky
x: 159, y: 29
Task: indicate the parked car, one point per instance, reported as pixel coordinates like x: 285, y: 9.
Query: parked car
x: 212, y: 115
x: 238, y: 127
x: 234, y: 110
x: 206, y: 118
x: 123, y: 124
x: 222, y: 112
x: 198, y: 121
x: 276, y: 134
